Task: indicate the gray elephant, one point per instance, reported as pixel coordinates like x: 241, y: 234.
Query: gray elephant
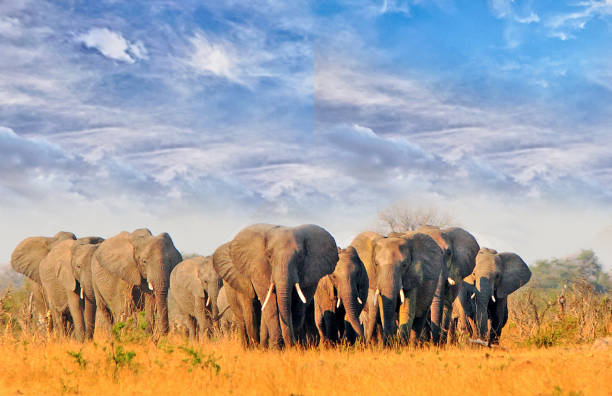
x: 283, y: 266
x: 495, y: 277
x: 340, y: 298
x: 464, y: 312
x: 226, y: 315
x: 129, y: 268
x: 65, y: 274
x: 460, y: 249
x: 402, y: 267
x: 27, y: 256
x: 194, y: 288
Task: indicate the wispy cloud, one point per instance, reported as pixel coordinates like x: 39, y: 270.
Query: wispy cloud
x: 113, y: 45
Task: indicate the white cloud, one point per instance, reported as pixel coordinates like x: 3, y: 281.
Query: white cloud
x: 214, y: 58
x: 562, y: 25
x: 531, y: 18
x: 113, y: 45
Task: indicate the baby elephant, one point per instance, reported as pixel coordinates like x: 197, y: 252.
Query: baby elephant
x: 340, y: 297
x: 194, y: 288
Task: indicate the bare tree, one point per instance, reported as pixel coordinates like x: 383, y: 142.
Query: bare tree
x: 401, y: 217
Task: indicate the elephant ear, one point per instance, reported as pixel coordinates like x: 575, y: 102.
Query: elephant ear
x: 426, y: 253
x: 198, y: 276
x: 364, y: 244
x: 116, y: 255
x: 62, y: 257
x: 516, y: 273
x: 27, y: 256
x: 321, y: 253
x: 248, y: 250
x: 223, y: 264
x: 464, y: 249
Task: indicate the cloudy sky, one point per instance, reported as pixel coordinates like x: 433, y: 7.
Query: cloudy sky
x: 200, y: 119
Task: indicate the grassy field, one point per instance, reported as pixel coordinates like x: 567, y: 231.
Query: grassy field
x: 35, y: 367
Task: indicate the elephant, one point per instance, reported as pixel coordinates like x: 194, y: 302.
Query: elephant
x: 404, y: 266
x: 282, y: 265
x: 65, y: 274
x: 340, y: 298
x: 130, y: 267
x: 27, y: 256
x: 194, y: 288
x: 226, y: 316
x: 494, y: 278
x: 460, y: 249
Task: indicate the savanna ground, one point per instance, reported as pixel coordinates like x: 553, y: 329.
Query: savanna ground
x: 547, y: 349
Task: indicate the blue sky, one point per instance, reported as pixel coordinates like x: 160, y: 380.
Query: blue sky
x: 199, y: 119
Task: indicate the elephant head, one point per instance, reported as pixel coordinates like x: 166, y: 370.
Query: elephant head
x: 460, y: 249
x: 75, y: 273
x: 350, y: 280
x: 139, y: 258
x: 496, y: 275
x: 283, y: 264
x: 209, y: 284
x: 29, y: 253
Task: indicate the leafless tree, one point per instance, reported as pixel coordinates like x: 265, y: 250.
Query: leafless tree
x: 401, y: 217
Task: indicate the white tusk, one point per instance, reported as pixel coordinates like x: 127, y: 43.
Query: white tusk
x: 267, y: 296
x: 299, y: 291
x: 338, y: 303
x: 81, y: 293
x: 208, y: 301
x: 402, y: 297
x: 359, y: 300
x: 376, y: 296
x: 451, y: 281
x: 493, y: 298
x: 473, y: 295
x: 150, y: 286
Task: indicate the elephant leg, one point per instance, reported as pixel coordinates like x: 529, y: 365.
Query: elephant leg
x: 371, y: 317
x: 76, y: 311
x: 149, y: 312
x: 104, y: 318
x: 191, y: 326
x: 417, y: 329
x: 89, y: 316
x: 58, y: 323
x: 406, y: 315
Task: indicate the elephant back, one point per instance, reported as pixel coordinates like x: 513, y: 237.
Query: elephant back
x: 27, y: 256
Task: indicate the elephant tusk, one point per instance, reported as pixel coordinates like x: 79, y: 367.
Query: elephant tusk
x: 402, y: 297
x: 267, y: 296
x: 451, y: 281
x: 208, y: 301
x: 493, y: 298
x: 81, y: 293
x: 359, y: 300
x: 473, y: 295
x: 299, y: 291
x: 338, y: 303
x: 150, y: 286
x: 376, y: 296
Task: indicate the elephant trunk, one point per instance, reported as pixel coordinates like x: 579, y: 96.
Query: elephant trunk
x: 353, y: 309
x: 437, y: 306
x: 482, y: 303
x: 161, y: 311
x: 388, y: 293
x: 284, y: 291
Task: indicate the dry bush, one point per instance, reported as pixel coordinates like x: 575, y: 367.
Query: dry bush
x: 577, y: 314
x: 401, y: 217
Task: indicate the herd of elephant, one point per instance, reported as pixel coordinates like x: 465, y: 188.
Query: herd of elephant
x: 276, y: 286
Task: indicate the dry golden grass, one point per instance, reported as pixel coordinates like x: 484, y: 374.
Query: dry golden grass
x: 37, y: 367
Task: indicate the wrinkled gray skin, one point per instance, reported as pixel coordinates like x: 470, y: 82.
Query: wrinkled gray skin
x: 241, y: 298
x: 194, y: 287
x: 459, y: 248
x: 495, y: 277
x: 65, y: 274
x: 336, y: 301
x: 28, y: 254
x: 464, y: 312
x: 407, y: 262
x: 272, y: 260
x: 226, y: 316
x: 125, y: 268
